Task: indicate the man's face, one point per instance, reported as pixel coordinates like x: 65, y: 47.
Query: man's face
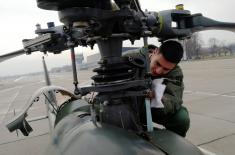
x: 159, y: 65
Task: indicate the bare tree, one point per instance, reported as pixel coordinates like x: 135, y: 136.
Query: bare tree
x: 231, y: 48
x: 193, y: 46
x: 219, y: 48
x: 213, y: 45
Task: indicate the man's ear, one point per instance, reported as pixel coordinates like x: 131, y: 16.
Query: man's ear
x: 155, y: 51
x: 150, y: 55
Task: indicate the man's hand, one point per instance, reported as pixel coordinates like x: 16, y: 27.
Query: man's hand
x: 150, y: 94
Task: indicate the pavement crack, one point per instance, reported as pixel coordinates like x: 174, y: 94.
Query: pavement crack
x: 24, y: 139
x: 217, y: 118
x: 216, y: 139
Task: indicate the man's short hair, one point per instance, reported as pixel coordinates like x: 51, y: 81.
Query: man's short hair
x: 172, y: 51
x: 152, y: 47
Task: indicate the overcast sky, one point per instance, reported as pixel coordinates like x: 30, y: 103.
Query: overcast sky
x: 19, y: 17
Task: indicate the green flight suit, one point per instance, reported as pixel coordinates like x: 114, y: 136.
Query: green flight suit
x: 173, y: 116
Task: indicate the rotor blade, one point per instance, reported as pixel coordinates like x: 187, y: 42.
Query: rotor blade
x: 203, y: 23
x: 186, y: 24
x: 11, y: 55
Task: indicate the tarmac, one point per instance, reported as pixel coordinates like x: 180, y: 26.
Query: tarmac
x: 209, y: 96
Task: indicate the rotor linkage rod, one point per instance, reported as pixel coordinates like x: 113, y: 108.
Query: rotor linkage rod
x: 75, y: 79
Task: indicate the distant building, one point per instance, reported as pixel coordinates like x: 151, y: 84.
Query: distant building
x: 125, y: 49
x: 92, y: 60
x: 66, y: 68
x: 80, y: 65
x: 79, y: 58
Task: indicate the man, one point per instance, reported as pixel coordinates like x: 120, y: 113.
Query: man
x: 164, y: 65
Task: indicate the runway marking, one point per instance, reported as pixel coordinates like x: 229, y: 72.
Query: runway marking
x: 19, y: 87
x: 208, y: 93
x: 19, y: 110
x: 206, y: 152
x: 20, y: 78
x: 8, y: 89
x: 8, y: 108
x: 22, y: 139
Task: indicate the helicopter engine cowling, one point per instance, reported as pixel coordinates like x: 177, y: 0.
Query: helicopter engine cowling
x: 76, y: 133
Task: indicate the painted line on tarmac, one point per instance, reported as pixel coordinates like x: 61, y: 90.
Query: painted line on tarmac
x: 231, y: 96
x: 8, y: 89
x: 9, y: 106
x: 22, y: 139
x: 206, y: 152
x: 208, y: 93
x: 20, y: 78
x: 86, y: 83
x: 19, y: 110
x: 19, y: 87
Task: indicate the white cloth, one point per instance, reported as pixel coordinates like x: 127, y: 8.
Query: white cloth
x: 159, y: 89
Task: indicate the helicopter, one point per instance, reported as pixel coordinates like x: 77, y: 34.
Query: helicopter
x: 97, y: 22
